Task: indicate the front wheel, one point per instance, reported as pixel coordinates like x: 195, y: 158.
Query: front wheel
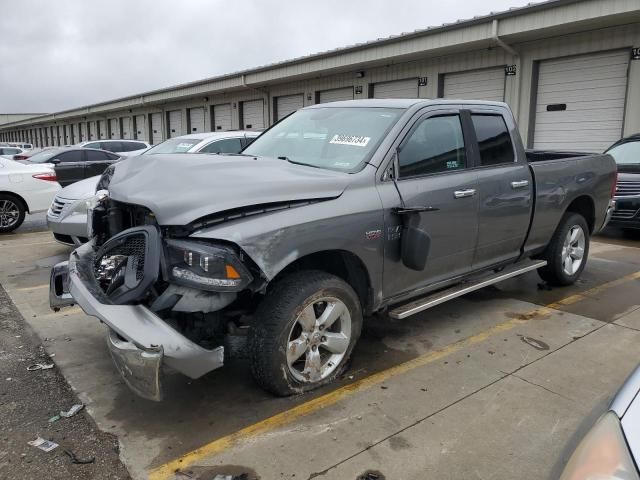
x: 12, y: 212
x: 304, y: 333
x: 567, y: 252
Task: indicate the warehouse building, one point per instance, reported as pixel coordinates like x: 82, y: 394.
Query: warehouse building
x: 570, y: 70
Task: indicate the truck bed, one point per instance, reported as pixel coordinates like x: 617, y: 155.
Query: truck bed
x: 559, y: 179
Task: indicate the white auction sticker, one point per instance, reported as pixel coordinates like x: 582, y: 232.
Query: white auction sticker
x: 355, y: 140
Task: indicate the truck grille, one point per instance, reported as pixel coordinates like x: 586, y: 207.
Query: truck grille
x: 624, y: 213
x: 59, y: 206
x: 628, y: 188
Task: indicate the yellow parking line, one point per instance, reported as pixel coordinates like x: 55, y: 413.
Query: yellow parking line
x: 215, y: 447
x: 37, y: 287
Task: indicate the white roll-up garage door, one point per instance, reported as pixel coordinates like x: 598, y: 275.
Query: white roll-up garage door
x: 221, y: 117
x: 336, y: 95
x: 486, y: 84
x: 396, y: 89
x: 127, y: 130
x: 74, y: 134
x: 288, y: 104
x: 580, y: 102
x: 114, y: 128
x: 175, y: 123
x: 156, y: 128
x: 83, y: 131
x: 253, y: 115
x: 140, y: 128
x: 102, y: 129
x: 196, y: 120
x: 93, y: 132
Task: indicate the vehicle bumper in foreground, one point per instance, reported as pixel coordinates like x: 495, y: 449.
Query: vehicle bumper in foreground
x: 141, y: 343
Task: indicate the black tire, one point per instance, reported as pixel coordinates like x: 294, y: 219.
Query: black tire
x: 11, y: 201
x: 275, y: 318
x: 553, y: 272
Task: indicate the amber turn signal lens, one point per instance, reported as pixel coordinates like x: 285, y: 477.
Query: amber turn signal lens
x: 231, y: 272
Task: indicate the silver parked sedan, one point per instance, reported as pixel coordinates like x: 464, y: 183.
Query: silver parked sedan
x: 611, y: 450
x: 67, y: 215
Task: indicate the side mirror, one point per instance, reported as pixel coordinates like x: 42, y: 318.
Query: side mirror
x: 54, y: 161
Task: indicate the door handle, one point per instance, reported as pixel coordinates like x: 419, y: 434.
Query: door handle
x: 519, y: 184
x: 469, y: 192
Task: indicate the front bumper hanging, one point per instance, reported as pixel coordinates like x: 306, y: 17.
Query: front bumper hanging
x: 140, y: 342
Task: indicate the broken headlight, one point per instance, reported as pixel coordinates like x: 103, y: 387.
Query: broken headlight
x: 204, y: 266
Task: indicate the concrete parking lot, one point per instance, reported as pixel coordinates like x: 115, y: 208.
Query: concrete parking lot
x: 499, y: 384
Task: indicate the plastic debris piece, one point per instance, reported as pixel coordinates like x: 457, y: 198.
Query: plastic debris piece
x: 79, y: 461
x: 42, y: 444
x: 72, y: 411
x: 39, y: 366
x: 55, y: 418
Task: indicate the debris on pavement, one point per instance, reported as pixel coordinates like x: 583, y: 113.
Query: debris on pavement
x: 72, y: 411
x: 55, y: 418
x: 39, y: 366
x: 535, y: 343
x: 79, y: 461
x: 371, y: 475
x: 42, y: 444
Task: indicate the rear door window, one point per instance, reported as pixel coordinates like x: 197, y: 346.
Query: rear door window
x: 71, y: 157
x: 435, y: 145
x: 228, y: 145
x: 98, y: 156
x: 112, y: 146
x: 494, y: 140
x: 92, y: 145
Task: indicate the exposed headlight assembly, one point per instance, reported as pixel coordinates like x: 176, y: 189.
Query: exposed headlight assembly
x: 204, y: 266
x: 602, y: 455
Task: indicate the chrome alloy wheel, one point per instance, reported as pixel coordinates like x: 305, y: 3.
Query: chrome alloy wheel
x: 573, y: 250
x: 319, y: 339
x: 9, y: 213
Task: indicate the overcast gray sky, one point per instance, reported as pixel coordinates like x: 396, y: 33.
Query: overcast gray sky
x: 62, y: 54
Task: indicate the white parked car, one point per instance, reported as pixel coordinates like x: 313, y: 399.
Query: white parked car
x: 206, y: 142
x: 67, y: 216
x: 9, y: 152
x: 24, y: 189
x: 125, y: 148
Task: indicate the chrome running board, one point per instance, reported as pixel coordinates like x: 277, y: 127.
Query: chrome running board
x: 463, y: 288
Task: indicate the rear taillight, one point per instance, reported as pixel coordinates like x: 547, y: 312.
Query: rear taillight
x: 48, y: 177
x: 20, y: 157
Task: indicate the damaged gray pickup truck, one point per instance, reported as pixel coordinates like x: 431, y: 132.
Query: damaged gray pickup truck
x: 336, y: 212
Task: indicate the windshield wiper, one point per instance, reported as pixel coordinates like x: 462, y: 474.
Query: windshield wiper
x: 297, y: 163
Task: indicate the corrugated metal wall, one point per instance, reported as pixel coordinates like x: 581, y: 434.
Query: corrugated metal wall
x: 519, y: 89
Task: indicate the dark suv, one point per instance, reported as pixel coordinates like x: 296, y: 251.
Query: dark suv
x: 626, y: 153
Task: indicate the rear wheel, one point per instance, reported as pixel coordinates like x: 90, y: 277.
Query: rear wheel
x: 567, y: 252
x: 12, y: 212
x: 304, y: 333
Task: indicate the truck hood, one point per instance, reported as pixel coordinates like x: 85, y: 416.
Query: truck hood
x: 180, y: 189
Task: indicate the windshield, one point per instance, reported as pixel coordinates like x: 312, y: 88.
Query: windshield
x: 626, y: 153
x: 43, y: 157
x: 173, y: 145
x: 333, y: 138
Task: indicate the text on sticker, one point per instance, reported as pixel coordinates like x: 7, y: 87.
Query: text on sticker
x: 355, y: 140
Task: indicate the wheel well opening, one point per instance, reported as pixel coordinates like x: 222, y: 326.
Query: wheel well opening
x: 584, y: 206
x: 17, y: 197
x: 342, y: 264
